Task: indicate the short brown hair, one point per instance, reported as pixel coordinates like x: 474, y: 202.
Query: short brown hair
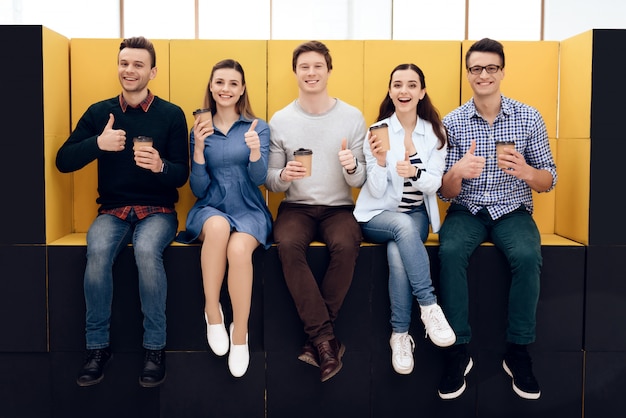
x: 140, y: 42
x: 312, y: 46
x: 486, y: 45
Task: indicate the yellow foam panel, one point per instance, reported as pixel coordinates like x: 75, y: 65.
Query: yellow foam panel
x: 56, y: 107
x: 94, y: 77
x: 191, y: 62
x: 574, y: 143
x: 575, y: 94
x: 545, y: 212
x: 360, y: 76
x: 572, y: 194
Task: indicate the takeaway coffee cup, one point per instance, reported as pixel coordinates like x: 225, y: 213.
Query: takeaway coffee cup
x: 203, y: 114
x: 305, y: 156
x: 141, y: 141
x: 382, y: 133
x: 501, y: 146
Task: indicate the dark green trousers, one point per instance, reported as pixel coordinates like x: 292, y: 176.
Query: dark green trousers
x: 517, y: 236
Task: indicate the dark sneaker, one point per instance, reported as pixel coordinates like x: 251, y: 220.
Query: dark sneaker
x: 153, y: 373
x: 92, y: 372
x: 458, y: 364
x: 518, y: 364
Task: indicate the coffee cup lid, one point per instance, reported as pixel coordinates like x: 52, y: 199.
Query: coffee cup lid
x: 195, y: 112
x: 303, y: 151
x: 382, y: 125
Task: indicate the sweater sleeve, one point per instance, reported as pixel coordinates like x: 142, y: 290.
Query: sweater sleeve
x: 81, y: 147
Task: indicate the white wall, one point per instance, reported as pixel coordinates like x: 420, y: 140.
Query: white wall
x: 321, y: 19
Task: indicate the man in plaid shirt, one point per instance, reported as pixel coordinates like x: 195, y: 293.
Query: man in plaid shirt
x: 491, y: 200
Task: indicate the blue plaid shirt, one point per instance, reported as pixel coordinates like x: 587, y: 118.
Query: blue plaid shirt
x: 495, y: 190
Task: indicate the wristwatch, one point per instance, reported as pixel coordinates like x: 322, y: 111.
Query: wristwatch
x: 356, y: 164
x: 417, y: 175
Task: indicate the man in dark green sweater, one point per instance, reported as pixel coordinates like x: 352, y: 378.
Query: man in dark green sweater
x: 137, y: 193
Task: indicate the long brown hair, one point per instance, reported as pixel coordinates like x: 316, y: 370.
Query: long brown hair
x: 243, y: 104
x: 425, y: 109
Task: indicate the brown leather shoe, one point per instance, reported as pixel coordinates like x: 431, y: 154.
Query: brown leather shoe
x: 330, y: 353
x: 309, y: 355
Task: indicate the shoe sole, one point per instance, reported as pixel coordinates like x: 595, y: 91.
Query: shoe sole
x: 151, y: 384
x: 402, y: 371
x: 90, y: 383
x: 443, y: 343
x: 308, y: 359
x: 333, y: 373
x: 98, y: 380
x: 518, y: 391
x: 459, y: 392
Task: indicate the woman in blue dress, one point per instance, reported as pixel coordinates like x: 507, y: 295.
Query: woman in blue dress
x: 230, y: 217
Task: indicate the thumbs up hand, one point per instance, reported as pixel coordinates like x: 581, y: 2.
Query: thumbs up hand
x: 253, y: 142
x: 470, y: 166
x: 111, y: 139
x: 346, y: 158
x: 404, y: 167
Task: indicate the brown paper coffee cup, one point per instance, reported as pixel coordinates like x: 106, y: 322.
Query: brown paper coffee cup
x: 501, y: 146
x: 305, y: 156
x: 141, y: 141
x: 382, y: 133
x: 203, y: 114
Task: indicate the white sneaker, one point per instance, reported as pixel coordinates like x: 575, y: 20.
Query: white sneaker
x: 239, y: 356
x: 217, y: 336
x: 402, y: 346
x: 437, y: 327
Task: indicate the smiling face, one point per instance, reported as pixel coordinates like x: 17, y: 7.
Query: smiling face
x: 484, y: 84
x: 405, y: 90
x: 226, y: 87
x: 312, y: 73
x: 134, y: 70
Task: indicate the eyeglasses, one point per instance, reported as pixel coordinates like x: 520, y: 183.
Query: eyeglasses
x: 478, y: 69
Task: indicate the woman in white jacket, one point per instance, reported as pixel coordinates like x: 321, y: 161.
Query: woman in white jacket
x: 398, y: 202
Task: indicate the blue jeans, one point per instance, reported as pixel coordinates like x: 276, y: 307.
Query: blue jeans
x: 106, y: 238
x: 409, y: 265
x: 517, y: 236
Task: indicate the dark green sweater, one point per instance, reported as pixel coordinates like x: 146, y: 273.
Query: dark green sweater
x: 120, y: 181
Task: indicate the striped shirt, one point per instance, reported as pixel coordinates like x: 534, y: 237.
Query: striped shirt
x: 411, y: 197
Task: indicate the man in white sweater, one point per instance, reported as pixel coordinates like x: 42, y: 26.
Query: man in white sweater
x: 317, y: 205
